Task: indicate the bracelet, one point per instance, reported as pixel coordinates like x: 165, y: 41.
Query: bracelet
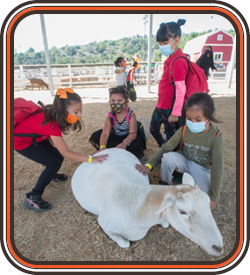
x: 90, y: 159
x: 127, y: 141
x: 103, y: 146
x: 120, y: 71
x: 149, y: 166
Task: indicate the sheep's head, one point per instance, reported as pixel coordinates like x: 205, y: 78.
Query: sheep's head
x: 188, y: 211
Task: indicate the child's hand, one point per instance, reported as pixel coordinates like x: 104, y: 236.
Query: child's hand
x: 142, y: 169
x: 122, y: 145
x: 99, y: 159
x: 173, y: 119
x: 102, y: 149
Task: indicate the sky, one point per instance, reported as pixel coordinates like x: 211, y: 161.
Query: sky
x: 81, y: 29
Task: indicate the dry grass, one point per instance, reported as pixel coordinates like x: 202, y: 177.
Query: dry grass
x: 69, y: 233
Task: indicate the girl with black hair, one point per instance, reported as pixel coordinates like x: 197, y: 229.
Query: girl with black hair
x: 60, y: 117
x: 201, y: 151
x: 169, y: 106
x: 120, y: 71
x: 120, y: 127
x: 206, y: 61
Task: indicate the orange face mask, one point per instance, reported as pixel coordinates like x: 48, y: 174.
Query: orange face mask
x: 72, y: 119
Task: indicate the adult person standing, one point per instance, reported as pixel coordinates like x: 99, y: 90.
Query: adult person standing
x: 206, y: 61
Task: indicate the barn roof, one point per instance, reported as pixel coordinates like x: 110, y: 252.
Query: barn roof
x: 195, y: 45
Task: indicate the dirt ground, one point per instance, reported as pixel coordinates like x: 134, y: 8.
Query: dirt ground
x: 69, y: 233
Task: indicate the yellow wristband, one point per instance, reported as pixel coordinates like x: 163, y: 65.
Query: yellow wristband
x: 103, y: 146
x: 90, y: 159
x: 149, y: 166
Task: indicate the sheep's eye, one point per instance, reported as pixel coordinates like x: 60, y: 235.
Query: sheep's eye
x: 182, y: 212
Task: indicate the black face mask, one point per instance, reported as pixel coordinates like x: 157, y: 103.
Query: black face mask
x: 207, y: 51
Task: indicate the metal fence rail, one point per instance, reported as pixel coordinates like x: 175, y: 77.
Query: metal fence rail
x: 71, y: 75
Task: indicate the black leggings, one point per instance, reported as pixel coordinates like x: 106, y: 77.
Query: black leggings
x: 47, y: 155
x: 161, y: 116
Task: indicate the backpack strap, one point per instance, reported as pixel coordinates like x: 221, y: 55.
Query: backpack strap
x: 183, y: 132
x: 34, y: 136
x: 114, y: 119
x: 217, y: 133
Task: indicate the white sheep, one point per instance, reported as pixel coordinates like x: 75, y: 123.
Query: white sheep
x: 128, y: 206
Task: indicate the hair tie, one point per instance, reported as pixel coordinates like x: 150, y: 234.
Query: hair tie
x: 62, y: 93
x: 181, y: 22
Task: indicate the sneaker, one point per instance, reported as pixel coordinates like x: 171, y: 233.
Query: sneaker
x: 59, y: 178
x: 36, y: 203
x: 161, y: 182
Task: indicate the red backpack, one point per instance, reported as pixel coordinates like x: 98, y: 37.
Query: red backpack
x: 22, y: 109
x: 196, y: 80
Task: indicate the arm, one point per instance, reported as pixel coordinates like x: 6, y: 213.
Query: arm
x: 217, y: 170
x: 180, y: 87
x: 132, y: 132
x: 118, y: 71
x: 105, y: 133
x: 62, y: 147
x: 165, y: 148
x: 180, y: 71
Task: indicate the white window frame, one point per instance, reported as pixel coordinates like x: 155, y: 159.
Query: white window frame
x: 219, y: 37
x: 217, y: 53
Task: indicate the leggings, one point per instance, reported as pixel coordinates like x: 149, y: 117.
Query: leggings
x: 47, y: 155
x: 161, y: 116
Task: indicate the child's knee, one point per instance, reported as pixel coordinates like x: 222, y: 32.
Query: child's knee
x: 168, y: 158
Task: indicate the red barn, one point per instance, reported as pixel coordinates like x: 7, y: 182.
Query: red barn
x: 220, y: 41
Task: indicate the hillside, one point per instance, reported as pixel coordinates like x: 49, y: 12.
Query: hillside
x: 100, y: 52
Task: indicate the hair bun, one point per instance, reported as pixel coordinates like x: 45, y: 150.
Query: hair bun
x: 181, y: 22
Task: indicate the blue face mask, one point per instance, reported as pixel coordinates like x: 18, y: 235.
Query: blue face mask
x: 166, y: 49
x: 196, y: 127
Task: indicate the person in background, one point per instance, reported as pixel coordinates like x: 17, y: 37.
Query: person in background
x: 206, y: 61
x: 138, y: 67
x: 120, y: 71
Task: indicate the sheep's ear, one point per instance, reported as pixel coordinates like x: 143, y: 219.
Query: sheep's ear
x: 167, y: 201
x: 188, y: 179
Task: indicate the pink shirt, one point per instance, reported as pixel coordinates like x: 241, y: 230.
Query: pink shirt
x: 165, y: 88
x: 31, y: 125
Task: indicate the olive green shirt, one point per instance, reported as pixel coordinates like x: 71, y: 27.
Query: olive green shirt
x: 204, y: 149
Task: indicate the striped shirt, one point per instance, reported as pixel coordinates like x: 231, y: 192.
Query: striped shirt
x: 121, y: 129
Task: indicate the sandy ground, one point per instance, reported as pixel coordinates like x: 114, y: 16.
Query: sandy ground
x: 69, y: 233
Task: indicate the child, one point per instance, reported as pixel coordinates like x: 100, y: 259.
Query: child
x: 58, y: 118
x: 168, y: 110
x: 120, y: 127
x: 120, y: 71
x: 202, y: 153
x: 130, y: 80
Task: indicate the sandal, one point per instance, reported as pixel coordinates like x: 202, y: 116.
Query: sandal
x: 59, y: 178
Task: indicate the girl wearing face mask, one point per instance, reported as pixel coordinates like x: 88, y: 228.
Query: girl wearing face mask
x: 120, y: 71
x: 202, y: 152
x: 206, y: 60
x: 50, y: 148
x: 169, y: 105
x: 120, y: 127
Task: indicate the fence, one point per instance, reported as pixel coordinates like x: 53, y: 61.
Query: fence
x: 70, y: 75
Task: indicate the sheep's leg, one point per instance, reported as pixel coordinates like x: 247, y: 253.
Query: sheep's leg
x: 122, y: 242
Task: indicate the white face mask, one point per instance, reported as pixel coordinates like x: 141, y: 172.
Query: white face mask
x: 196, y: 127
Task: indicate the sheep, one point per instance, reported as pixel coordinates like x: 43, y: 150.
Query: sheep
x: 127, y: 205
x: 39, y: 82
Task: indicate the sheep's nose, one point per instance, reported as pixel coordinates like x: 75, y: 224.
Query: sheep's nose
x: 217, y: 248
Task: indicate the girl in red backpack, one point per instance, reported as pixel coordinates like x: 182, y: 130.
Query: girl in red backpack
x: 60, y: 117
x: 169, y: 36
